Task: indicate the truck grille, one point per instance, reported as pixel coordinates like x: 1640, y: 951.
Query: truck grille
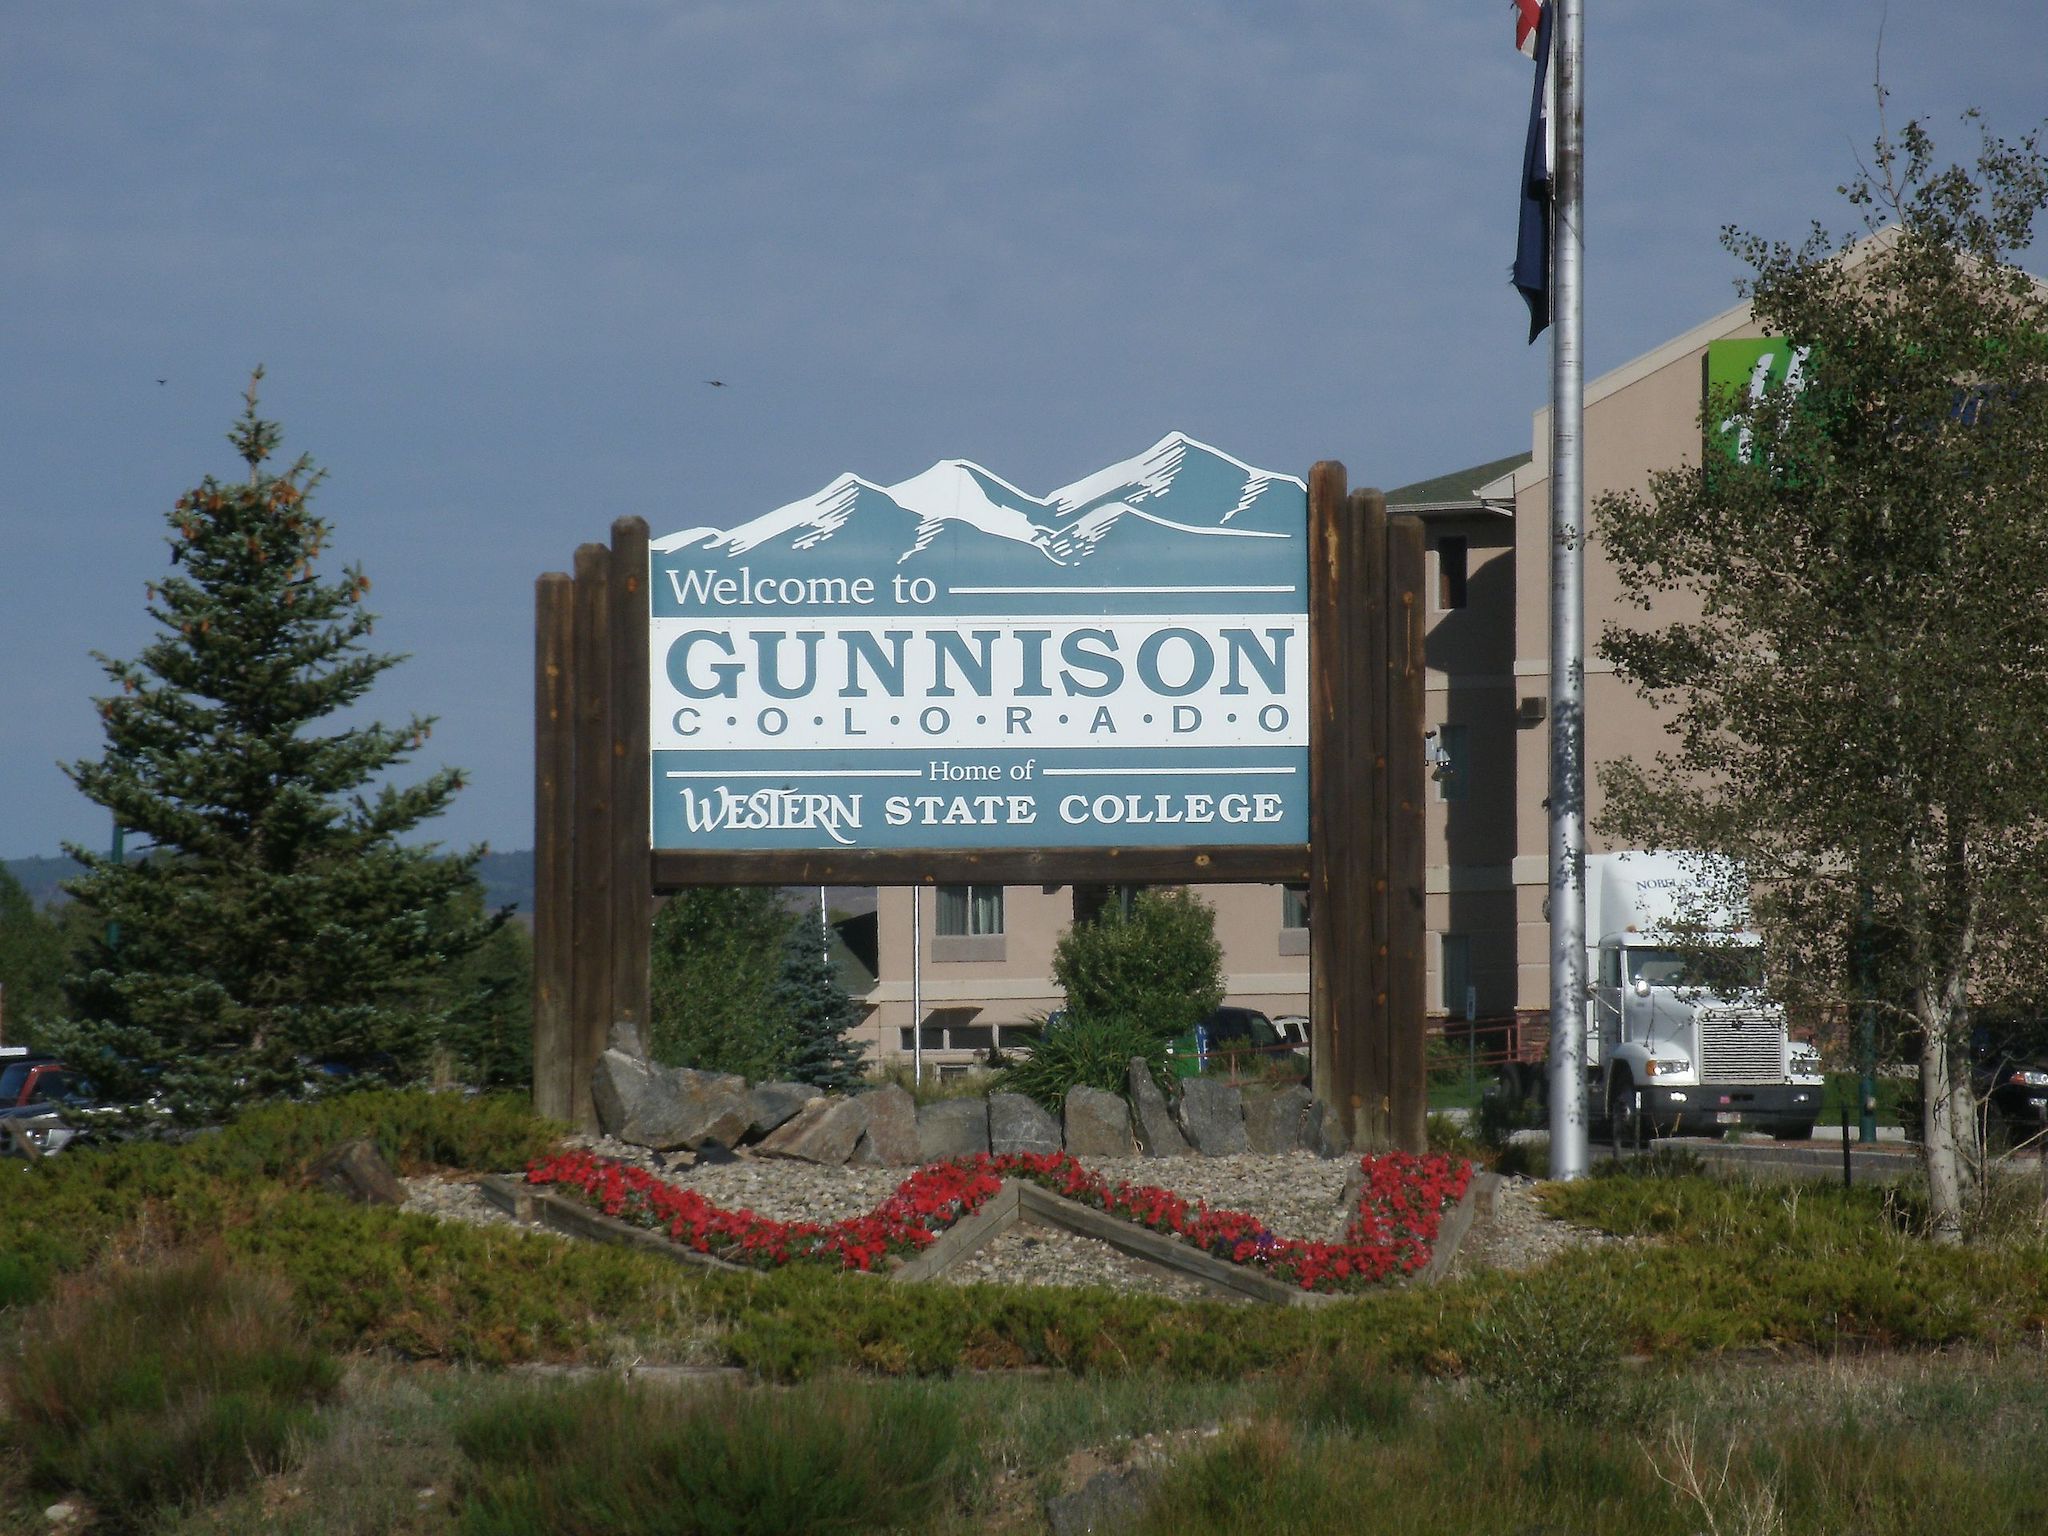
x: 1739, y: 1046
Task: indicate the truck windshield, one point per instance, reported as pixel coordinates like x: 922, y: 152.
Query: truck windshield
x: 1723, y: 971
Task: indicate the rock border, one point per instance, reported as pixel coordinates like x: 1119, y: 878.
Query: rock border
x: 666, y: 1109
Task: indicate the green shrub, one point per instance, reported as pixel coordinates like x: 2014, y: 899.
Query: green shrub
x: 1663, y: 1162
x: 1548, y: 1347
x: 1527, y: 1157
x: 1089, y: 1053
x: 1158, y: 965
x: 974, y: 1084
x: 604, y: 1458
x: 160, y: 1387
x: 1503, y: 1111
x: 1450, y: 1137
x: 413, y: 1129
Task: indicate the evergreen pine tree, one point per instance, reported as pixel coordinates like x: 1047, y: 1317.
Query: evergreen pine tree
x: 819, y: 1013
x: 31, y: 964
x: 277, y: 917
x: 716, y: 956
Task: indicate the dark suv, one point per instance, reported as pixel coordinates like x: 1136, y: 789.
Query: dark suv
x: 1235, y: 1032
x: 2009, y: 1079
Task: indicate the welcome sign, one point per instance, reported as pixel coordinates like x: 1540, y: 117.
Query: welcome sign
x: 952, y: 662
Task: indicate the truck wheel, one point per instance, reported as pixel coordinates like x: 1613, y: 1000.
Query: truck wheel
x: 1621, y: 1111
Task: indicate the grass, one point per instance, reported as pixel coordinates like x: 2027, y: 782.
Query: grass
x: 146, y: 1388
x: 1496, y: 1395
x: 1935, y: 1444
x: 1954, y: 1448
x: 1457, y: 1090
x: 600, y: 1457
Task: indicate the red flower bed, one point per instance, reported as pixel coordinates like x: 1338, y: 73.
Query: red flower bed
x: 923, y: 1206
x: 1392, y: 1231
x: 1398, y: 1217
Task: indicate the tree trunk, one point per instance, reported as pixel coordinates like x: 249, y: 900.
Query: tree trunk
x: 1938, y: 1116
x: 1946, y: 1094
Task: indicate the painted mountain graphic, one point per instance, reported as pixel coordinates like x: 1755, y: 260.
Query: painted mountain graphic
x: 1181, y: 511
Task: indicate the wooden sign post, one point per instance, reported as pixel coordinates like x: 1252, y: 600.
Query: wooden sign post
x: 596, y: 872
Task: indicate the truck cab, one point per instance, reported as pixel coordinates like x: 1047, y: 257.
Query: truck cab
x: 1682, y: 1037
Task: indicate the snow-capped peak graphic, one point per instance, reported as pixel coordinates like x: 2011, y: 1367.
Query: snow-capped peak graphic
x: 1181, y: 502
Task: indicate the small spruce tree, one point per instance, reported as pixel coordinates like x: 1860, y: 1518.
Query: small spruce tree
x: 716, y: 954
x: 820, y: 1014
x: 277, y: 916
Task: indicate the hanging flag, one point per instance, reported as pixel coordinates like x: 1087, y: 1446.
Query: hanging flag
x: 1532, y: 244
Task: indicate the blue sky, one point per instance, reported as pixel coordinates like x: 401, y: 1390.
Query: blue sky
x: 491, y: 252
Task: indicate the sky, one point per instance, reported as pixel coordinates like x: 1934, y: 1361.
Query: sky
x: 491, y: 254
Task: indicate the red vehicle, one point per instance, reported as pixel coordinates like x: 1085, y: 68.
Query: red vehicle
x: 39, y: 1080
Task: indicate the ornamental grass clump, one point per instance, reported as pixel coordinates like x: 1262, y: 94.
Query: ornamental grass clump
x: 1094, y: 1052
x: 605, y: 1458
x: 150, y: 1389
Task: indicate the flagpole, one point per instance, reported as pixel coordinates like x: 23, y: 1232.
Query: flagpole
x: 1568, y: 1157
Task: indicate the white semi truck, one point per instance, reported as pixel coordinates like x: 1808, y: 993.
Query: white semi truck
x: 1674, y: 1047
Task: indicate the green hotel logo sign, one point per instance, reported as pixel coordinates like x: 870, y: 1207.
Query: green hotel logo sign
x: 953, y: 662
x: 1746, y: 371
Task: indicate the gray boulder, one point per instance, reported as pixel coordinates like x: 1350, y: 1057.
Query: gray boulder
x: 1212, y: 1115
x: 1017, y: 1124
x: 626, y: 1038
x: 686, y: 1108
x: 1158, y: 1136
x: 1273, y: 1118
x: 357, y: 1170
x: 770, y: 1105
x: 890, y: 1141
x: 616, y: 1085
x: 825, y: 1131
x: 952, y: 1128
x: 1097, y: 1123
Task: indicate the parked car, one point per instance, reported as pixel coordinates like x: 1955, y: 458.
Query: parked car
x: 1235, y: 1032
x: 43, y: 1104
x: 44, y: 1128
x: 31, y: 1080
x: 1294, y: 1033
x: 18, y: 1067
x: 2009, y: 1078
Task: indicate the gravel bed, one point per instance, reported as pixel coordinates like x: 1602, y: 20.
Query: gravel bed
x: 1521, y: 1234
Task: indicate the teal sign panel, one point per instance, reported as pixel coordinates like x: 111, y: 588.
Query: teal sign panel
x: 953, y: 662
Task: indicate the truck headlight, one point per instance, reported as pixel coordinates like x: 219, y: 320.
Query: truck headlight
x: 2026, y: 1077
x: 1665, y: 1066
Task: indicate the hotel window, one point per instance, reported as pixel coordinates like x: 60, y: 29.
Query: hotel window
x: 1452, y: 558
x: 1454, y: 773
x: 1293, y: 906
x: 1091, y: 901
x: 970, y: 911
x: 1293, y: 919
